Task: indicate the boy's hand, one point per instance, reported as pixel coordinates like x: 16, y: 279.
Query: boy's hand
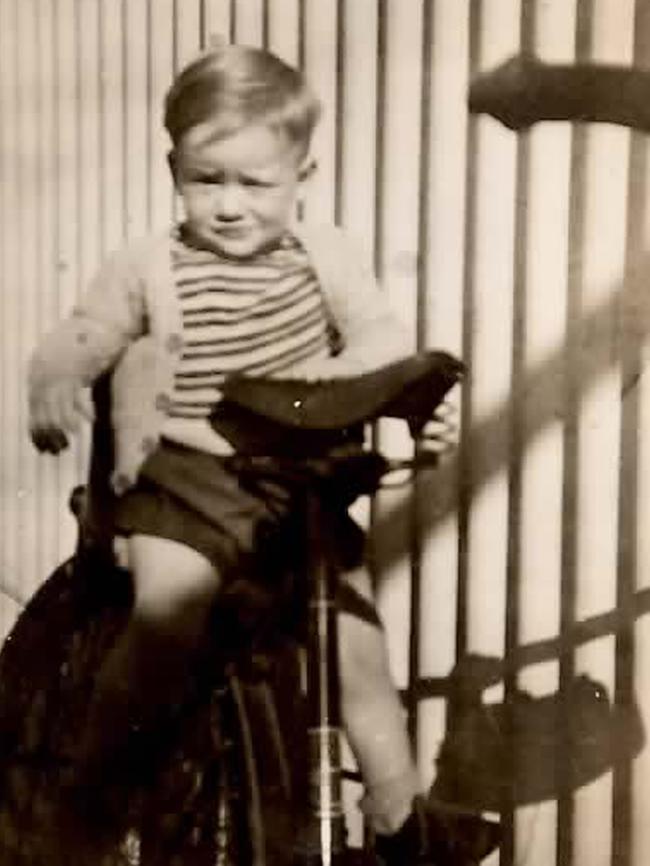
x: 441, y: 433
x: 56, y: 411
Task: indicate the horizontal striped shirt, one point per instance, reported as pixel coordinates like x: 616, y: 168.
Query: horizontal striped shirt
x: 258, y: 316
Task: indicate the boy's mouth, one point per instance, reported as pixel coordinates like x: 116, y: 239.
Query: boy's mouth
x: 232, y: 232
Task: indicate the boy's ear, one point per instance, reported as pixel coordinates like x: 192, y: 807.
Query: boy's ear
x: 307, y: 169
x: 172, y: 162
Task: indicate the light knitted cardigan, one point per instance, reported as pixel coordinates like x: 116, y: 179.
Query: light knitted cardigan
x: 130, y: 320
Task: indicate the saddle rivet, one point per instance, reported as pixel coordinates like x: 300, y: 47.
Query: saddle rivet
x: 297, y: 404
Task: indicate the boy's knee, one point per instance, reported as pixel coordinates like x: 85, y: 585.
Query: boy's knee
x: 360, y: 582
x: 172, y: 582
x: 178, y: 620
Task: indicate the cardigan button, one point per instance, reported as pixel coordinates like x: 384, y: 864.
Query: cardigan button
x: 121, y: 483
x: 174, y: 343
x: 163, y: 402
x: 148, y: 445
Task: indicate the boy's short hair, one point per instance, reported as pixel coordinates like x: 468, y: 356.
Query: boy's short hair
x: 235, y: 86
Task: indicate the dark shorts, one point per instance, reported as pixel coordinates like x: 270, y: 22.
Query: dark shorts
x: 247, y: 528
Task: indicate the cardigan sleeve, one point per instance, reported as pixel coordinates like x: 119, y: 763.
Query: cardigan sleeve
x: 101, y: 325
x: 372, y: 335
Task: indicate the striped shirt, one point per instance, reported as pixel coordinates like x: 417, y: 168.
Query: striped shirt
x: 258, y: 317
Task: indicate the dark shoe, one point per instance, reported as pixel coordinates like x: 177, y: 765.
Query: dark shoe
x: 83, y: 831
x: 439, y: 836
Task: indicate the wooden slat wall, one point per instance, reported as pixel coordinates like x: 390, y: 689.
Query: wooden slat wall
x: 525, y: 253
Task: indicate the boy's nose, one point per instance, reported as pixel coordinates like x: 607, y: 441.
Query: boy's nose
x: 230, y: 202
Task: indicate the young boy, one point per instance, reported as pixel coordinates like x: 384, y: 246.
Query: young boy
x: 238, y: 286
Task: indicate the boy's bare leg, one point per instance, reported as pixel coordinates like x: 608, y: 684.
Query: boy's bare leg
x: 374, y: 719
x: 147, y: 668
x: 409, y: 829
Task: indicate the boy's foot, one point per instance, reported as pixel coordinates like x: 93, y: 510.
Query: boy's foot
x: 81, y: 833
x: 439, y: 835
x: 91, y: 814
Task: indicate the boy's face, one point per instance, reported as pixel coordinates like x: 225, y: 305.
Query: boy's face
x: 239, y: 192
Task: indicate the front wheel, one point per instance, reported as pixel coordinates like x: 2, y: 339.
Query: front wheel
x: 224, y: 794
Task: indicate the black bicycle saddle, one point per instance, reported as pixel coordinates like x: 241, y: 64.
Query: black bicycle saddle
x: 298, y: 418
x: 410, y: 388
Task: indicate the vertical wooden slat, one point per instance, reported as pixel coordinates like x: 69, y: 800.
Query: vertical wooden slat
x: 284, y: 29
x: 358, y: 155
x: 542, y: 471
x: 150, y: 129
x: 443, y: 247
x: 355, y: 174
x: 442, y: 252
x: 571, y: 389
x: 67, y: 220
x: 112, y: 90
x: 629, y: 845
x: 31, y: 481
x: 266, y: 23
x: 636, y: 413
x: 47, y: 505
x: 101, y: 133
x: 249, y: 29
x: 490, y: 336
x: 475, y: 24
x: 320, y: 68
x: 514, y: 542
x: 136, y: 117
x: 397, y: 241
x: 631, y: 346
x: 640, y: 316
x: 233, y: 20
x: 599, y: 422
x: 401, y: 132
x: 11, y: 279
x: 25, y: 286
x: 89, y: 167
x: 491, y: 351
x: 418, y: 475
x: 88, y: 201
x: 340, y: 87
x: 4, y: 302
x: 216, y: 17
x: 187, y: 31
x: 160, y: 76
x: 380, y: 138
x: 54, y: 293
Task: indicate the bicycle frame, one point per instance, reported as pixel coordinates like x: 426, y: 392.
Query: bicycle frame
x: 326, y: 831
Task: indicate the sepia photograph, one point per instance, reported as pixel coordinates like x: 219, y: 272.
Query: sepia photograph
x: 382, y: 268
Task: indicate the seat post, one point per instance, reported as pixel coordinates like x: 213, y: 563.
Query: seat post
x: 326, y: 828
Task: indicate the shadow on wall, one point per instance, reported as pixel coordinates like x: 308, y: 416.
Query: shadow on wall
x: 528, y: 749
x: 609, y: 335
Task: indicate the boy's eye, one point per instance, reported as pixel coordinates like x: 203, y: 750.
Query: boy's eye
x: 258, y: 182
x: 218, y: 180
